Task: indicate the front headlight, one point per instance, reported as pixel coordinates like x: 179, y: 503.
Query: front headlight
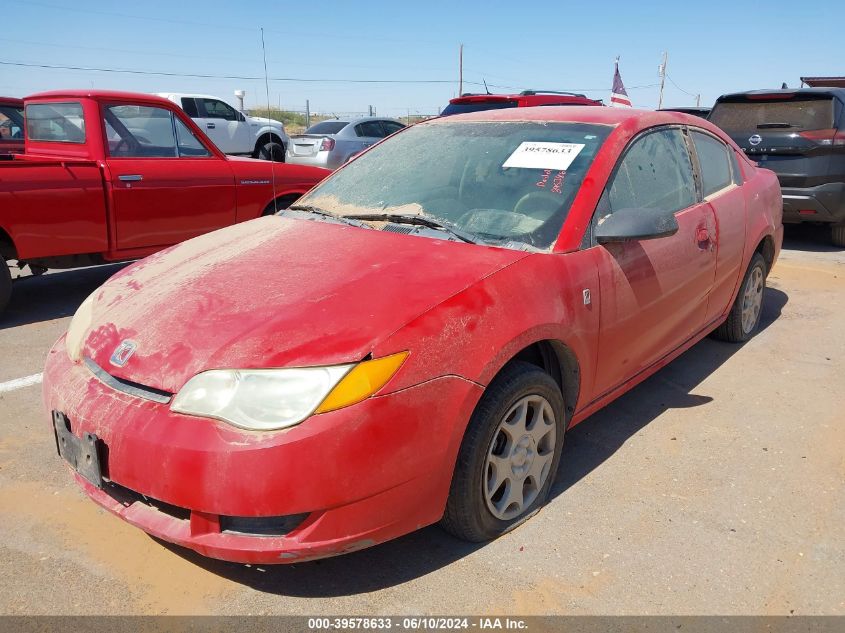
x: 79, y: 325
x: 271, y: 399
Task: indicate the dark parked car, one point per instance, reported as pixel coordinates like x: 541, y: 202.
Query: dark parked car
x: 799, y: 135
x: 526, y: 98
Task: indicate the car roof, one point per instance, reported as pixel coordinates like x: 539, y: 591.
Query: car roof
x: 100, y: 95
x: 759, y: 94
x: 11, y: 101
x: 188, y: 95
x: 575, y: 114
x: 525, y: 94
x: 359, y: 120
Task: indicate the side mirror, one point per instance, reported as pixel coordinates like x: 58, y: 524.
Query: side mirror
x: 626, y: 225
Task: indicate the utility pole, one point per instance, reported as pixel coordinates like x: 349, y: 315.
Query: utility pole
x: 698, y: 100
x: 461, y: 70
x: 662, y: 78
x: 307, y: 113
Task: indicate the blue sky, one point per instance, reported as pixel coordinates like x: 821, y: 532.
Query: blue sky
x: 714, y: 47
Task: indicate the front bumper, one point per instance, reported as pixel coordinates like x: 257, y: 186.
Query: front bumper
x: 825, y: 203
x: 363, y: 475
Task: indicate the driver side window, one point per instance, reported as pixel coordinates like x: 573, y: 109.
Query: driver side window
x: 654, y: 173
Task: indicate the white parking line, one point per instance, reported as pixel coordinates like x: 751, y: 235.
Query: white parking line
x: 20, y: 383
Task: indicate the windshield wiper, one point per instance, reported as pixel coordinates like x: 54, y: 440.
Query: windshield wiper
x: 417, y: 220
x: 322, y: 212
x: 766, y: 126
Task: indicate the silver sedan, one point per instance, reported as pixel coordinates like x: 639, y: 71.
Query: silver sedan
x: 331, y: 143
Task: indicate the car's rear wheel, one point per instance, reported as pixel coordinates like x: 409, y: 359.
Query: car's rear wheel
x: 509, y: 456
x: 744, y: 317
x: 837, y: 234
x: 5, y: 285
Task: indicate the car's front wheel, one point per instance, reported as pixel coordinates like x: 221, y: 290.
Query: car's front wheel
x: 509, y: 456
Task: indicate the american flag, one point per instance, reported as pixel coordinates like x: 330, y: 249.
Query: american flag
x: 618, y: 96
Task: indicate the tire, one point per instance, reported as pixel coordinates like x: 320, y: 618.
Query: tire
x: 837, y: 234
x: 481, y: 505
x: 736, y: 329
x: 272, y: 150
x: 5, y: 285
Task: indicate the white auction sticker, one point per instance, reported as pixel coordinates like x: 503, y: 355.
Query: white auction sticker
x: 536, y: 155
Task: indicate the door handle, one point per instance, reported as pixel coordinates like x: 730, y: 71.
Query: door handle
x: 210, y: 126
x: 702, y: 235
x: 131, y: 178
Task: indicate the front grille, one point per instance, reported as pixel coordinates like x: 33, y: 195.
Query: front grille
x: 127, y: 386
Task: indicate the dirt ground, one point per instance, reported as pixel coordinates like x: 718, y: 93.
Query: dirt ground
x: 715, y: 487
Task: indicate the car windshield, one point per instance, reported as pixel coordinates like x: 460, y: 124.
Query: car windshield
x: 795, y: 114
x: 477, y: 106
x: 498, y: 181
x: 327, y: 127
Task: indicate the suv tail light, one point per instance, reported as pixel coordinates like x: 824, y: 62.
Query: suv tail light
x: 824, y: 137
x: 327, y: 145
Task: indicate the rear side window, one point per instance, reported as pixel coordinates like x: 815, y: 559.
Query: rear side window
x: 391, y: 126
x: 655, y: 173
x: 795, y: 115
x: 55, y: 122
x: 190, y: 107
x: 327, y: 127
x: 371, y: 129
x: 713, y: 160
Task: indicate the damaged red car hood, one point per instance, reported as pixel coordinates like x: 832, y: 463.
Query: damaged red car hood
x: 275, y: 292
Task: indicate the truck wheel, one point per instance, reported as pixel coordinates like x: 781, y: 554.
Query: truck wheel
x: 5, y: 285
x: 744, y: 316
x: 509, y: 456
x: 837, y: 234
x: 272, y: 151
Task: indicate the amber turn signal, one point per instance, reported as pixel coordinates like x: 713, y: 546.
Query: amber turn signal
x: 362, y: 381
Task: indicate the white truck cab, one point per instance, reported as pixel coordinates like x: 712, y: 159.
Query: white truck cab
x: 231, y: 130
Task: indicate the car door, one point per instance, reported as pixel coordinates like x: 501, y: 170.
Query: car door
x: 225, y: 126
x: 720, y: 186
x: 653, y: 293
x: 167, y: 186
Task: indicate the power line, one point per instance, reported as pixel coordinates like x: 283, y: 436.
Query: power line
x: 240, y: 77
x: 691, y: 94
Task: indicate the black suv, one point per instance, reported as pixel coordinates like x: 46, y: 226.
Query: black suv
x: 799, y: 135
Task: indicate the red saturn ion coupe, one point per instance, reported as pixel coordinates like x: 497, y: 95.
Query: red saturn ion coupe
x: 409, y: 342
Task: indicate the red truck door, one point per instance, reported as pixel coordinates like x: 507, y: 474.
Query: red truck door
x: 654, y: 293
x: 167, y: 186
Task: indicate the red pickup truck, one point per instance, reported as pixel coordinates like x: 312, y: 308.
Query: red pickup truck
x: 114, y: 176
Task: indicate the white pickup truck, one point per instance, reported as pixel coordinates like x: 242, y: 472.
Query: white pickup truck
x: 232, y: 131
